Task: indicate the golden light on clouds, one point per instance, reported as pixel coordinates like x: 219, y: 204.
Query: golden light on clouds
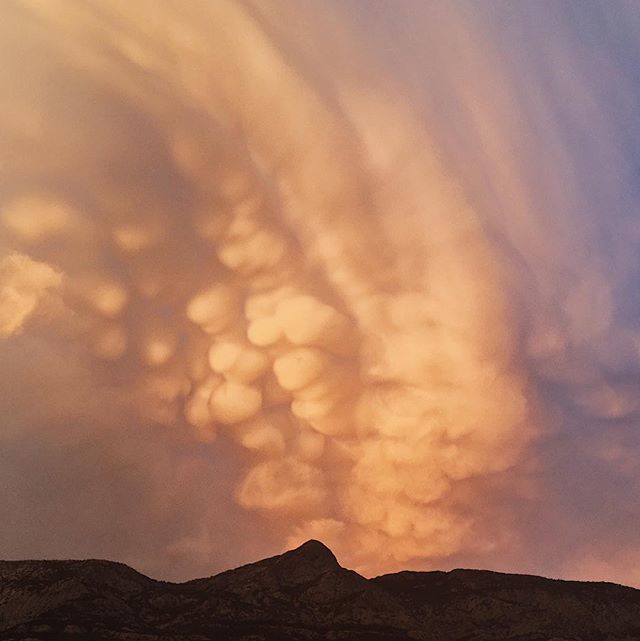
x: 24, y: 284
x: 271, y: 254
x: 354, y: 340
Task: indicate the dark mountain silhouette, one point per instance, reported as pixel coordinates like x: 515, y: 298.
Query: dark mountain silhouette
x: 304, y: 594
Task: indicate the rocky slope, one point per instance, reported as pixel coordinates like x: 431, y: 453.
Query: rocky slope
x: 305, y: 595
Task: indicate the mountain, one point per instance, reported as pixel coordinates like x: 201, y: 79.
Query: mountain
x: 305, y: 595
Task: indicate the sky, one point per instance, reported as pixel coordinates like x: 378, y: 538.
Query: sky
x: 359, y: 271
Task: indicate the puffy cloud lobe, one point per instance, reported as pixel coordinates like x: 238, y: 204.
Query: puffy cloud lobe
x: 24, y: 285
x: 36, y: 218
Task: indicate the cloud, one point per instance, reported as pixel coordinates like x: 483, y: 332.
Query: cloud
x: 356, y: 292
x: 24, y: 283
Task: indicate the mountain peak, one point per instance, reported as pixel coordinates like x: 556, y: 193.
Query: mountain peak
x: 310, y: 560
x: 316, y: 552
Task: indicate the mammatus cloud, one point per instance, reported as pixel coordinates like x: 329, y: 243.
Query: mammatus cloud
x: 280, y: 258
x: 23, y: 285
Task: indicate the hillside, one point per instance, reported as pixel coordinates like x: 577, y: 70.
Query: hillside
x: 305, y: 594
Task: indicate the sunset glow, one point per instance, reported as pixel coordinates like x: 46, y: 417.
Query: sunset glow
x: 359, y: 272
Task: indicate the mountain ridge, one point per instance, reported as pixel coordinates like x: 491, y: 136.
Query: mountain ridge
x: 306, y: 595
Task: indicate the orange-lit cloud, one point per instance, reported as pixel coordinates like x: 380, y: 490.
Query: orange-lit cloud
x: 278, y: 253
x: 24, y: 284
